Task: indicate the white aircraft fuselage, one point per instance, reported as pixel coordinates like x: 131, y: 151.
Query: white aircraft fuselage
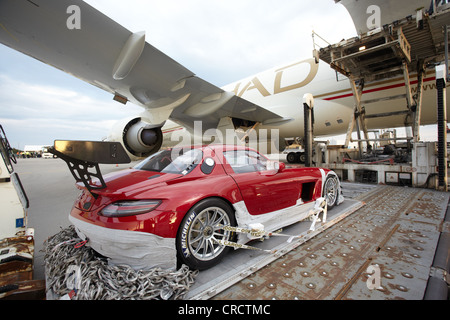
x: 281, y: 90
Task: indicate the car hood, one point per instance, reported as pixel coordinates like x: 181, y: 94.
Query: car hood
x: 131, y: 181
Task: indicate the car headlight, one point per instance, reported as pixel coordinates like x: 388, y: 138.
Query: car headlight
x: 129, y: 208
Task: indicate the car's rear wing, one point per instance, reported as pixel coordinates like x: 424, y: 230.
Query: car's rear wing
x: 83, y: 159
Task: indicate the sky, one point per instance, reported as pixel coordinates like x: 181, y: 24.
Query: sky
x: 220, y: 41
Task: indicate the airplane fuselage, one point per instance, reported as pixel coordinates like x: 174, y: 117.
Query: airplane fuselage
x: 281, y: 90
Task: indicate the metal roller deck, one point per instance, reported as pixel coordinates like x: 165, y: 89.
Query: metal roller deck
x: 387, y: 232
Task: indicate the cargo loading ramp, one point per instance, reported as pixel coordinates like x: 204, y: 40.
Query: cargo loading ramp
x: 411, y: 44
x: 239, y: 264
x: 399, y: 238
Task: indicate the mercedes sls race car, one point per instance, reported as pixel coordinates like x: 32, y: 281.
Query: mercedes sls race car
x: 184, y: 205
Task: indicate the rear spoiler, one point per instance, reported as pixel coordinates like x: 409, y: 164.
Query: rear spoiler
x: 83, y: 159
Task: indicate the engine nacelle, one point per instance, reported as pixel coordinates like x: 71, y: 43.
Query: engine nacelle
x: 139, y: 138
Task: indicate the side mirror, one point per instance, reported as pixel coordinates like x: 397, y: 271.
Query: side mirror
x: 281, y: 166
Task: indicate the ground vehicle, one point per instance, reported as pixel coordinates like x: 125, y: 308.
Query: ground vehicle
x: 16, y: 238
x: 179, y: 201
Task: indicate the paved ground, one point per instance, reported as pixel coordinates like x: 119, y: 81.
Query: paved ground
x: 51, y: 191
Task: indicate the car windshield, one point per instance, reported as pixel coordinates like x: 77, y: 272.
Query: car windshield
x: 178, y: 161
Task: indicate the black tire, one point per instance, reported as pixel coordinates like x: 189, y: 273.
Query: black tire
x: 301, y: 157
x: 291, y: 158
x: 331, y: 191
x: 195, y: 239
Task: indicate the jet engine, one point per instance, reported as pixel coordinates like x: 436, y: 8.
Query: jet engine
x: 140, y: 139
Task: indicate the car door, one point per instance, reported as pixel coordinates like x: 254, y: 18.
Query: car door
x: 263, y: 188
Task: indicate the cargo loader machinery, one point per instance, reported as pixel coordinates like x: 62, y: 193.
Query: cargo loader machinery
x: 387, y: 49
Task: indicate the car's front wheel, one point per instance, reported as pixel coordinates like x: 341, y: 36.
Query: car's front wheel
x: 201, y: 231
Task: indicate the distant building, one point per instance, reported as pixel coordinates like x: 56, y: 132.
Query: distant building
x: 33, y: 151
x: 33, y: 148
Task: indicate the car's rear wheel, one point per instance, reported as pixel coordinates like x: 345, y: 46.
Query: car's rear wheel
x: 331, y: 191
x: 201, y: 231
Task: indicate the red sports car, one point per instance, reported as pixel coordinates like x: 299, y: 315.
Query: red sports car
x: 173, y: 206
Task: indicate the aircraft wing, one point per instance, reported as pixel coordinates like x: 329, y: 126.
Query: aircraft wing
x: 371, y: 14
x: 78, y: 39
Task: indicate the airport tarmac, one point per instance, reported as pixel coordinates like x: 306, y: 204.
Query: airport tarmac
x: 51, y: 191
